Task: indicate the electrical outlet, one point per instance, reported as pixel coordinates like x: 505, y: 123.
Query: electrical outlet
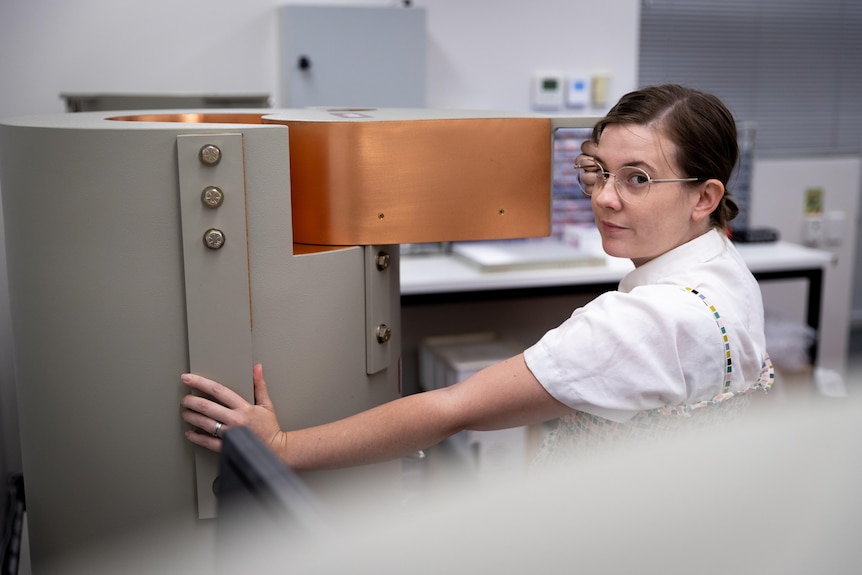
x: 812, y: 233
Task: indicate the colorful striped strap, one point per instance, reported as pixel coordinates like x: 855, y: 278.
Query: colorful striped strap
x: 728, y: 361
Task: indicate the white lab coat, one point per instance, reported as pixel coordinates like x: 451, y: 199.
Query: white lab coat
x: 651, y: 343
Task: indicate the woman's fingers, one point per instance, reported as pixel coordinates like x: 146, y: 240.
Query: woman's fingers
x: 214, y: 389
x: 218, y: 408
x: 207, y: 431
x: 212, y: 418
x: 207, y: 441
x: 206, y: 423
x: 210, y: 409
x: 261, y: 394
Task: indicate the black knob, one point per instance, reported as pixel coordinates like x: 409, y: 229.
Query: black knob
x: 304, y: 62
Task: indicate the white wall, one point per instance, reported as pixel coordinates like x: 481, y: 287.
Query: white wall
x: 481, y: 54
x: 778, y: 201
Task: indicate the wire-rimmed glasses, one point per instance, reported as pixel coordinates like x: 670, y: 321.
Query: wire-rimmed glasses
x: 631, y: 183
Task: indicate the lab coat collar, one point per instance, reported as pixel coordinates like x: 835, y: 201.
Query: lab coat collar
x: 685, y: 257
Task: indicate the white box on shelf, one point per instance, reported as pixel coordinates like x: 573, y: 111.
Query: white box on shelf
x: 447, y: 360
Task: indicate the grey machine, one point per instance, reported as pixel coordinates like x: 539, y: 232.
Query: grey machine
x: 147, y: 245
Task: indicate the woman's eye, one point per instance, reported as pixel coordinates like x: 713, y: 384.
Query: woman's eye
x: 638, y: 179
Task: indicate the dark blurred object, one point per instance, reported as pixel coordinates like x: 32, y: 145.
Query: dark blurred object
x: 755, y: 235
x: 13, y: 526
x: 256, y: 492
x: 85, y: 102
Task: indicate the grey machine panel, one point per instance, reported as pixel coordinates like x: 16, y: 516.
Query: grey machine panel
x: 114, y: 295
x: 357, y: 56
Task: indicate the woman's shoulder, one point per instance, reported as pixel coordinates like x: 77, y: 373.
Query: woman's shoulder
x: 662, y: 304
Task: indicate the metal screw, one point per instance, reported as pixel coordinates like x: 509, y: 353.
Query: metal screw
x: 382, y: 261
x: 210, y: 155
x: 214, y: 239
x: 384, y: 333
x: 212, y: 197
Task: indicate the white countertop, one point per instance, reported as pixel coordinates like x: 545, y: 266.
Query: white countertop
x: 442, y: 273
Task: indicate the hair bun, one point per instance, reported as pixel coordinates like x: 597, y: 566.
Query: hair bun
x: 731, y: 208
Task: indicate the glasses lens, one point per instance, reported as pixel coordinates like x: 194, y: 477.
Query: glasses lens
x: 587, y: 172
x: 632, y: 183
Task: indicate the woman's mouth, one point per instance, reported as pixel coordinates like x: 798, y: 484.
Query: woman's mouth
x: 610, y: 227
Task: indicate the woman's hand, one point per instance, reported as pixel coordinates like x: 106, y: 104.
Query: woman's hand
x: 588, y: 148
x: 212, y: 417
x: 588, y: 152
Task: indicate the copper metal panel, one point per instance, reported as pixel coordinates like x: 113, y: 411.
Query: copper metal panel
x: 363, y: 183
x: 395, y: 176
x: 194, y: 118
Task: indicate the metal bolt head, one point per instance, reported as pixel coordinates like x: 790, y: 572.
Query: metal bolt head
x: 210, y: 155
x: 381, y: 261
x: 384, y: 333
x: 212, y: 197
x: 214, y: 239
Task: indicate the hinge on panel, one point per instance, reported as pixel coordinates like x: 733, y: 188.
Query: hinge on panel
x: 378, y: 320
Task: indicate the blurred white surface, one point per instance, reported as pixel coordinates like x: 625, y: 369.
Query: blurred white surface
x: 781, y: 492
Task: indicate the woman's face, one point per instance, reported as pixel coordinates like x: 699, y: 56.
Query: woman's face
x: 664, y: 219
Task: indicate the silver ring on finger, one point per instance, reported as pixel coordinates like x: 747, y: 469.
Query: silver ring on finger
x: 217, y: 429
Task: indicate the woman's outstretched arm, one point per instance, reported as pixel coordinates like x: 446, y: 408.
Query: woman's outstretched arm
x: 503, y: 395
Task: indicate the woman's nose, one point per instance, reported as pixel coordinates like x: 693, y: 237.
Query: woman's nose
x: 605, y: 194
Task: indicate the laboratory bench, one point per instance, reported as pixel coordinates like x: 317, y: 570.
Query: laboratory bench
x: 444, y: 294
x: 439, y: 281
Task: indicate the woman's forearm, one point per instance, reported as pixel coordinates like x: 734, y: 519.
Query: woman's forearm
x: 501, y: 396
x: 389, y: 431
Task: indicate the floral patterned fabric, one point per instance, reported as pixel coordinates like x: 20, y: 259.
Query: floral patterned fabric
x: 580, y: 432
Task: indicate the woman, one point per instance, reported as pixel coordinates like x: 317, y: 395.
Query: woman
x: 684, y: 330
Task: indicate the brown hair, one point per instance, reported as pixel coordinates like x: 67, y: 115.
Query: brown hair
x: 699, y: 124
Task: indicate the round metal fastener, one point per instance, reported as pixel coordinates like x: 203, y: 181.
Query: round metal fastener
x: 212, y: 197
x: 214, y: 239
x: 384, y: 333
x: 210, y: 155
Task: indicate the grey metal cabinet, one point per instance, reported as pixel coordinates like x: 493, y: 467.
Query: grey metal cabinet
x: 352, y: 56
